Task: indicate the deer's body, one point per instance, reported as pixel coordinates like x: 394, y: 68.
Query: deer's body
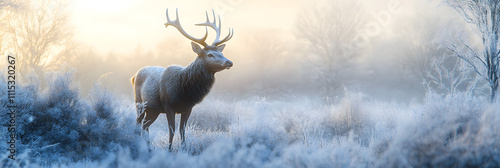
x: 175, y: 86
x: 175, y: 89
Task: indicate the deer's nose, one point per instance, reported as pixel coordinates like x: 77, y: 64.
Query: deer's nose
x: 228, y: 63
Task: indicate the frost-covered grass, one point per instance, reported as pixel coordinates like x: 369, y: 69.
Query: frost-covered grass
x: 61, y: 128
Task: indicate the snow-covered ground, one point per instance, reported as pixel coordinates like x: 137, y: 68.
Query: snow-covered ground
x: 60, y: 127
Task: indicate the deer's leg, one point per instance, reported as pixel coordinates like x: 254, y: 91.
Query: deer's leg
x: 140, y: 116
x: 151, y: 116
x: 138, y: 99
x: 184, y: 119
x: 171, y: 127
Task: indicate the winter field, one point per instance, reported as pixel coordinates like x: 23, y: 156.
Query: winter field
x: 315, y: 83
x: 58, y: 127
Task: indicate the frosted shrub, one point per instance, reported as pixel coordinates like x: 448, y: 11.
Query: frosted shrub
x: 213, y: 115
x: 50, y: 126
x: 104, y: 129
x: 349, y: 117
x: 444, y: 133
x: 57, y: 125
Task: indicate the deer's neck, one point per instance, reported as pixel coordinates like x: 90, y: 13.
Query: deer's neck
x: 196, y: 81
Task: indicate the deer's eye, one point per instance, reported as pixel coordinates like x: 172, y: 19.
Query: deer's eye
x: 210, y: 55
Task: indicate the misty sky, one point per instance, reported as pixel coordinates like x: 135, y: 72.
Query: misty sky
x: 125, y: 30
x: 122, y: 25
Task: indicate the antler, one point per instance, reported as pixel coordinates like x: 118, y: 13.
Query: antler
x: 176, y: 23
x: 217, y: 29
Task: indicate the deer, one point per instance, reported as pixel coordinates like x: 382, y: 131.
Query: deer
x: 175, y: 89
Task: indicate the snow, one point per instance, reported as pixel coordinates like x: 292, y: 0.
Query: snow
x: 59, y: 127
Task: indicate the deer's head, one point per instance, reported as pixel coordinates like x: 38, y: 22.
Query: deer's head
x: 211, y: 55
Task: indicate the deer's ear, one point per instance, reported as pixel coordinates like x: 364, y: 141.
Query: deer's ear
x: 221, y: 47
x: 196, y: 48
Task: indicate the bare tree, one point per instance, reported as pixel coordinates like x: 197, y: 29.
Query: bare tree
x: 39, y: 35
x: 422, y: 50
x: 326, y: 29
x: 447, y: 74
x: 485, y: 16
x: 7, y: 8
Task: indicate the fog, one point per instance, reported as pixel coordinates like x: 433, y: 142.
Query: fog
x: 315, y: 83
x: 271, y: 57
x: 130, y: 24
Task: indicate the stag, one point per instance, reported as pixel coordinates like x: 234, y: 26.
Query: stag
x: 175, y: 89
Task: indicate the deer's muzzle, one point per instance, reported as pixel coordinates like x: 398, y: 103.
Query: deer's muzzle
x: 228, y: 64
